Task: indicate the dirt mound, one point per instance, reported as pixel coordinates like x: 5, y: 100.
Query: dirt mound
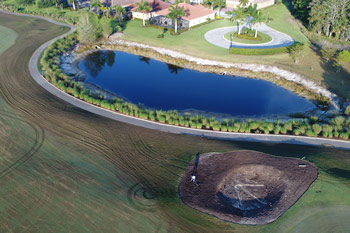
x: 245, y: 187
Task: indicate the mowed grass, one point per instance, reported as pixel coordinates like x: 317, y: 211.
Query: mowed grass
x: 7, y: 38
x: 283, y: 21
x: 92, y: 174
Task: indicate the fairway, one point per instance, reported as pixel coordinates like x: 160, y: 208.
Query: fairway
x: 7, y: 38
x: 92, y: 174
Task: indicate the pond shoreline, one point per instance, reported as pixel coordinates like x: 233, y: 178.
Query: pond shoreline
x: 288, y: 80
x: 69, y: 64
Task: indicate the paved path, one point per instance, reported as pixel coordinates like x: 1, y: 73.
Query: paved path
x: 279, y: 39
x: 168, y: 128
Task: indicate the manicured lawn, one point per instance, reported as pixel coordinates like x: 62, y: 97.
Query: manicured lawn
x: 7, y: 38
x: 284, y: 22
x: 264, y: 38
x: 190, y: 42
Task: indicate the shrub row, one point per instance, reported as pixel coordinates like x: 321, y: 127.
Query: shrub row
x: 259, y: 52
x: 338, y: 127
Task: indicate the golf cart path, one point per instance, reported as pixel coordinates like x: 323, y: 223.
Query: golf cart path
x: 279, y: 39
x: 289, y: 139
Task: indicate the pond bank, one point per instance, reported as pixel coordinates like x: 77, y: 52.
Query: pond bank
x: 289, y: 80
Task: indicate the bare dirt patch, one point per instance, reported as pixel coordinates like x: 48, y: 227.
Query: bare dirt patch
x: 245, y: 187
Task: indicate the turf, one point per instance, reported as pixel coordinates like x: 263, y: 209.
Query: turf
x: 7, y: 38
x: 264, y: 39
x: 92, y: 174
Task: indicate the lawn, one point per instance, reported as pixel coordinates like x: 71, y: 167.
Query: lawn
x: 283, y: 21
x: 7, y: 38
x: 92, y: 174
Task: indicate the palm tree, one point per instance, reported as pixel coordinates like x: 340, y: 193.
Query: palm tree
x: 257, y: 20
x: 98, y: 6
x: 243, y: 3
x: 174, y: 13
x: 252, y: 11
x: 143, y: 7
x: 237, y: 16
x: 73, y: 3
x: 57, y: 2
x: 220, y: 4
x: 119, y: 11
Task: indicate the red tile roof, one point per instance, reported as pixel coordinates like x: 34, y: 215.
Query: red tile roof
x: 192, y: 11
x: 157, y: 5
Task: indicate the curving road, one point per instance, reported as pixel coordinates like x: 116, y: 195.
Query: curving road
x: 279, y: 39
x: 289, y: 139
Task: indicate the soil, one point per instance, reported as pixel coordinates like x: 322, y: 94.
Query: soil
x: 245, y: 187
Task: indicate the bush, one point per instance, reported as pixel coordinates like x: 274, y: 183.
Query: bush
x: 317, y: 128
x: 258, y: 52
x: 344, y: 56
x: 347, y: 110
x: 297, y: 52
x: 328, y: 53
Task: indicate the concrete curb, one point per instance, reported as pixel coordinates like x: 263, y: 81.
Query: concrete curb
x: 249, y: 137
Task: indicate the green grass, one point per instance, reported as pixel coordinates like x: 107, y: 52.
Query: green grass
x: 7, y: 38
x: 264, y: 38
x: 284, y: 22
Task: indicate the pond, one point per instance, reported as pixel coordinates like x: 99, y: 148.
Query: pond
x: 162, y: 86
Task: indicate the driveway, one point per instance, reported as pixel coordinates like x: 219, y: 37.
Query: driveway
x: 279, y: 39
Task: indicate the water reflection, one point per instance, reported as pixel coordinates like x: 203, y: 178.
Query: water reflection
x: 95, y: 62
x: 174, y: 69
x: 144, y: 59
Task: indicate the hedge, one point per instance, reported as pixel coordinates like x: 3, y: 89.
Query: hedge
x: 259, y: 52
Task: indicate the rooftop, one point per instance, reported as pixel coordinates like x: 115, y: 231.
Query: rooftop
x: 157, y: 5
x: 192, y: 11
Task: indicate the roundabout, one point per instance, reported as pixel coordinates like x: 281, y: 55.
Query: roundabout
x: 279, y: 39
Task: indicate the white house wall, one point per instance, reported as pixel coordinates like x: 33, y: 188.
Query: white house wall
x: 139, y: 15
x: 235, y: 4
x: 200, y: 20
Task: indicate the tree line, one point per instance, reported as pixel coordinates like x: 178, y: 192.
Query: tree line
x: 330, y: 18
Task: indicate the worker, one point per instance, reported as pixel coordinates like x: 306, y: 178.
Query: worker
x: 193, y: 179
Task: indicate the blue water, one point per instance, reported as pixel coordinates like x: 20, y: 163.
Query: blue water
x: 159, y: 85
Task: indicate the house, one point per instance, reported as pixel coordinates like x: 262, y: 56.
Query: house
x: 118, y: 2
x: 195, y: 14
x: 157, y: 5
x: 260, y: 3
x: 196, y: 1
